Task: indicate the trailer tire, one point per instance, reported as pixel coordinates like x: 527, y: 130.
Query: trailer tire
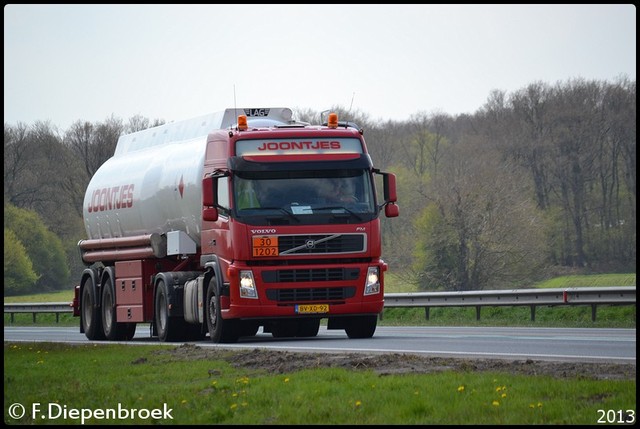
x: 168, y: 328
x: 90, y: 312
x: 113, y: 330
x: 220, y: 330
x: 361, y: 326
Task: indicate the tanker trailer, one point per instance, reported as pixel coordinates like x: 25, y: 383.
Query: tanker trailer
x: 171, y: 243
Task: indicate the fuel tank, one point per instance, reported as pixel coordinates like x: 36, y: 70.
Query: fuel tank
x: 150, y: 190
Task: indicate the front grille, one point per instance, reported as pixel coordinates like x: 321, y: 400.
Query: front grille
x: 320, y: 244
x: 310, y: 275
x: 311, y: 294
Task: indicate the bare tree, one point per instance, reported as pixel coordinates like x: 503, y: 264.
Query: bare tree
x: 139, y: 123
x: 529, y: 130
x: 383, y: 143
x: 18, y: 149
x: 41, y: 175
x: 94, y: 143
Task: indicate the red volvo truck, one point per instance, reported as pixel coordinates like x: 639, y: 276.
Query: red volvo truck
x: 228, y: 222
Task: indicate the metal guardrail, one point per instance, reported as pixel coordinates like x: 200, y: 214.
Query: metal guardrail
x: 38, y: 307
x: 593, y: 296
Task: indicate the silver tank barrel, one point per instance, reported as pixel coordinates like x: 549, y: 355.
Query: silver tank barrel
x: 151, y: 190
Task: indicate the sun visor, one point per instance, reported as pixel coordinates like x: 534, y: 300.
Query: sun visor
x: 295, y: 163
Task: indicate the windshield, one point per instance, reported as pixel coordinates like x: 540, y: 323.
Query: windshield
x: 303, y: 197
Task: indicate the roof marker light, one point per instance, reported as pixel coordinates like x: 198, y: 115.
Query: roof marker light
x: 333, y: 120
x: 242, y: 122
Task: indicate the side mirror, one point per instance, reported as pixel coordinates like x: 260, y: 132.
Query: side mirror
x: 391, y: 210
x: 210, y: 214
x: 389, y: 182
x: 208, y: 192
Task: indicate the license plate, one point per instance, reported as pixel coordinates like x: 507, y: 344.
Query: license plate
x: 265, y: 246
x: 312, y: 308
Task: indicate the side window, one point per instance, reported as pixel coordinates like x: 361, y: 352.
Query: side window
x: 223, y: 195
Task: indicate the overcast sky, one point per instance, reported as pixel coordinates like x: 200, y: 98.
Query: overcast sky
x: 64, y: 63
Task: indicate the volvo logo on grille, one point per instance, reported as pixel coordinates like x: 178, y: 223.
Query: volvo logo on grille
x: 310, y: 244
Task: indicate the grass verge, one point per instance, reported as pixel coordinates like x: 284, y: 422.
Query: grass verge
x: 80, y: 384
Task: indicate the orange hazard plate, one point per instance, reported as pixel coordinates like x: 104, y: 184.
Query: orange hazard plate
x: 265, y: 246
x: 312, y: 308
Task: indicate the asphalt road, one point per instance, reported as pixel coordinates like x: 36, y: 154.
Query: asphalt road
x: 550, y: 344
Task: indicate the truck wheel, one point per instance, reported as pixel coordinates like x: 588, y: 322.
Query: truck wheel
x: 284, y: 328
x: 169, y: 328
x: 113, y: 330
x: 90, y: 315
x: 249, y: 329
x: 308, y: 327
x: 361, y: 326
x: 220, y: 330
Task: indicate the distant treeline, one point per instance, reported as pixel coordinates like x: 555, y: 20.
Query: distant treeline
x: 535, y: 182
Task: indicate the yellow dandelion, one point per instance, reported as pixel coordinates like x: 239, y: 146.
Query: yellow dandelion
x: 461, y: 388
x: 532, y: 405
x: 495, y: 403
x: 233, y: 406
x: 214, y: 382
x: 498, y: 389
x: 539, y: 404
x: 504, y: 395
x: 286, y: 380
x: 358, y: 403
x: 184, y: 401
x: 234, y: 394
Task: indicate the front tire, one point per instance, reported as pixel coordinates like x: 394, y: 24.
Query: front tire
x: 284, y: 328
x: 308, y: 327
x: 361, y: 326
x: 220, y: 330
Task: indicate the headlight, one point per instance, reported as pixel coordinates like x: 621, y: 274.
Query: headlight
x: 247, y: 285
x: 372, y: 285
